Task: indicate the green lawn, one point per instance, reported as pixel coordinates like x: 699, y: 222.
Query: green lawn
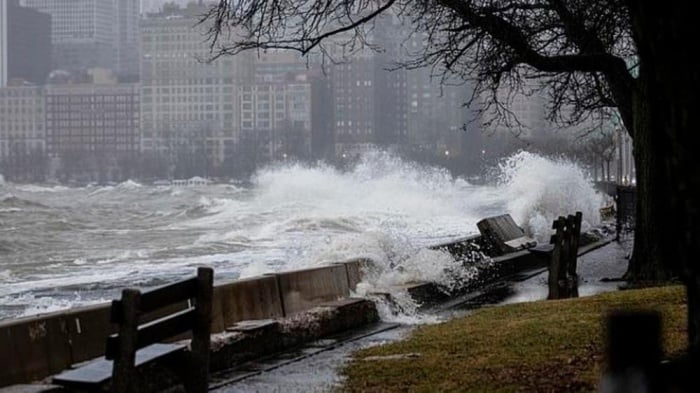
x: 542, y: 346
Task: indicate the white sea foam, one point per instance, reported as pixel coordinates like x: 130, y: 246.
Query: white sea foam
x: 128, y: 184
x: 35, y: 305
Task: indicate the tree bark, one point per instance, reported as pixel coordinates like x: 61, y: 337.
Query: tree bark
x: 670, y: 76
x: 646, y: 262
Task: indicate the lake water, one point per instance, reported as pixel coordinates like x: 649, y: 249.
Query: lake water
x: 61, y: 246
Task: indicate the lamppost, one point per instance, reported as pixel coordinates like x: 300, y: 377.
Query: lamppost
x: 620, y: 161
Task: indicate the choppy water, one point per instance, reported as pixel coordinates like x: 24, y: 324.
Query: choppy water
x: 61, y: 247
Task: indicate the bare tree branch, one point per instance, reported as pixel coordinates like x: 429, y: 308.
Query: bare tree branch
x: 575, y: 51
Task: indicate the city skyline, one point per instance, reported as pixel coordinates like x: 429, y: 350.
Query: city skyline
x: 238, y: 112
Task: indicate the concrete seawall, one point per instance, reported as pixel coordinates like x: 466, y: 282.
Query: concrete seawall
x: 33, y: 348
x: 36, y: 347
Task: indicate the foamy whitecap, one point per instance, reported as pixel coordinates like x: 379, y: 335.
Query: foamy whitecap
x: 40, y: 189
x: 128, y: 184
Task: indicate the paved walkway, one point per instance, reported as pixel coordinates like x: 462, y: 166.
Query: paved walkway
x: 317, y: 373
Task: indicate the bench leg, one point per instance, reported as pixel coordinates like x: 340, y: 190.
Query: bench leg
x: 124, y: 371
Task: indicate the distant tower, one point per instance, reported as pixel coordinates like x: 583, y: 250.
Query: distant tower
x: 3, y: 43
x: 82, y: 32
x: 127, y: 39
x: 28, y: 43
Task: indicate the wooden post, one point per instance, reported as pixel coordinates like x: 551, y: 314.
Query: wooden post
x: 565, y: 250
x: 123, y: 370
x: 555, y: 261
x: 575, y: 236
x: 201, y: 332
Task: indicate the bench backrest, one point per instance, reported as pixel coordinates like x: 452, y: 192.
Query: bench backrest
x: 131, y: 336
x: 503, y: 235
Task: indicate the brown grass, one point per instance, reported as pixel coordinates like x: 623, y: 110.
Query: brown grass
x: 548, y: 346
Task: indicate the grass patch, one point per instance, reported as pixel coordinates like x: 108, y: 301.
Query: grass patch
x: 542, y: 346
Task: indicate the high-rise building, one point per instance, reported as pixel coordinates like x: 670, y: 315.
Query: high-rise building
x: 3, y: 43
x: 440, y: 127
x: 370, y: 100
x: 186, y: 100
x: 127, y: 36
x: 28, y: 42
x: 276, y: 115
x: 82, y: 32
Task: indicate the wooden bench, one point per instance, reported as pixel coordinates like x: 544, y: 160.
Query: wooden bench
x: 561, y: 255
x: 138, y: 344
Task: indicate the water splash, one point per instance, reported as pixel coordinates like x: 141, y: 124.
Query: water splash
x: 541, y: 189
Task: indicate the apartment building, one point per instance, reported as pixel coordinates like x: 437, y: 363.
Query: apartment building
x: 93, y: 115
x: 186, y: 99
x: 22, y: 122
x: 276, y: 115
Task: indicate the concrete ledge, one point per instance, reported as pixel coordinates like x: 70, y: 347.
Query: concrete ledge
x: 38, y: 345
x: 235, y: 348
x: 87, y: 328
x: 253, y: 326
x: 303, y: 289
x: 356, y: 269
x: 254, y: 298
x: 425, y: 293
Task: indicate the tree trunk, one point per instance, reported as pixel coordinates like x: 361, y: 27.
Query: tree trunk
x: 670, y: 76
x: 646, y: 262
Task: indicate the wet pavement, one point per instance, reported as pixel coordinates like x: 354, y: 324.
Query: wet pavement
x: 316, y: 370
x: 607, y: 262
x: 315, y: 373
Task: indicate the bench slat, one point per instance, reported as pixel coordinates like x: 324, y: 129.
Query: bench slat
x: 155, y: 331
x: 156, y: 298
x: 100, y: 371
